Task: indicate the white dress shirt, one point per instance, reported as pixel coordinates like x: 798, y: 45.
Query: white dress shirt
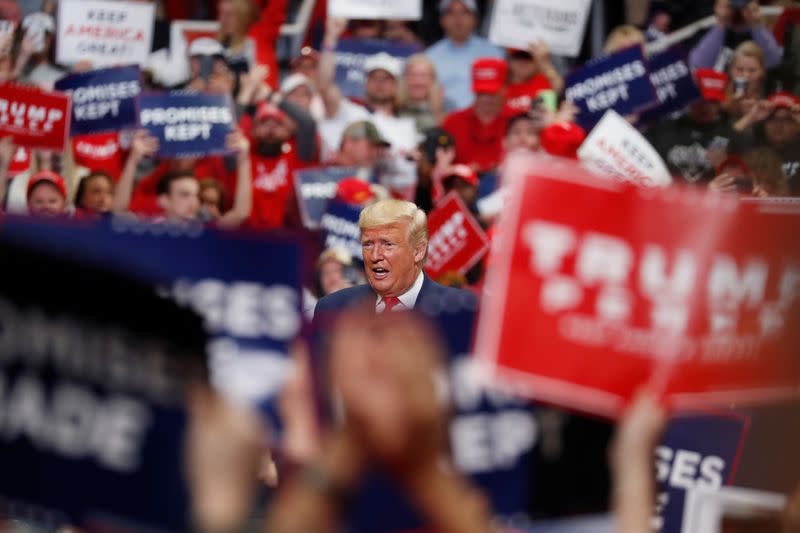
x: 407, y: 299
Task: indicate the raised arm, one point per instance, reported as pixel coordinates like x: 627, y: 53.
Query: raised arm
x: 243, y: 201
x: 7, y: 150
x: 142, y: 145
x: 331, y: 96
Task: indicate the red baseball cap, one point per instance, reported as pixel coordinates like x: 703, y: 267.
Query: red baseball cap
x: 49, y: 177
x: 464, y: 172
x: 784, y: 99
x: 489, y: 75
x: 354, y: 191
x: 562, y: 139
x: 267, y: 110
x: 712, y: 84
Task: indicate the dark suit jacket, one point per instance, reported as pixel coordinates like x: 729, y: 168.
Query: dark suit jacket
x: 430, y: 295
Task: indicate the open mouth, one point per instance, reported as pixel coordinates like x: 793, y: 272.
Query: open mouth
x: 380, y: 273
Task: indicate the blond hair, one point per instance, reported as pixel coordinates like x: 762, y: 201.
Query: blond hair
x: 391, y: 211
x: 622, y: 37
x: 335, y: 254
x: 246, y: 15
x: 413, y: 61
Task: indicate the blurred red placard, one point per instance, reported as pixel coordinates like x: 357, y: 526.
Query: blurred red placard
x: 34, y: 118
x: 598, y: 287
x: 456, y: 242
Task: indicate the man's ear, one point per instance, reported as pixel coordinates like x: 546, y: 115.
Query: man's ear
x: 419, y: 252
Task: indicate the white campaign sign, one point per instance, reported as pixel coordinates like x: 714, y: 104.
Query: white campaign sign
x: 560, y: 24
x: 104, y: 33
x: 376, y: 9
x: 619, y: 148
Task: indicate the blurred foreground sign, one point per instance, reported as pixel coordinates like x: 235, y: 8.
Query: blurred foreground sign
x: 93, y: 384
x: 599, y: 287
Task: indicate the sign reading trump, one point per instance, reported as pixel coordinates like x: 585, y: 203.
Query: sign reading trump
x: 456, y: 240
x: 616, y: 286
x: 187, y: 124
x: 34, y: 118
x: 104, y: 33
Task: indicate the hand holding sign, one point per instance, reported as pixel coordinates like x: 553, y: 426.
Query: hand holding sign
x: 515, y: 23
x: 143, y: 145
x: 187, y: 124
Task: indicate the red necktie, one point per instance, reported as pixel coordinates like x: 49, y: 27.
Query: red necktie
x: 390, y: 302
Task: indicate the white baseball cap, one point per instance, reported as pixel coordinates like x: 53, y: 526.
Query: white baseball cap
x: 205, y: 46
x: 293, y: 81
x: 384, y: 61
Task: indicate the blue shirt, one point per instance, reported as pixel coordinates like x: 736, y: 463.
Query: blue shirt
x: 454, y: 67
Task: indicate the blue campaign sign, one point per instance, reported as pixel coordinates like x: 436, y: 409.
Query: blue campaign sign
x: 619, y: 81
x: 94, y: 370
x: 350, y: 56
x: 339, y: 228
x: 487, y: 184
x: 698, y: 449
x: 187, y: 124
x: 315, y: 187
x: 673, y: 82
x: 492, y: 434
x: 247, y: 287
x: 102, y: 100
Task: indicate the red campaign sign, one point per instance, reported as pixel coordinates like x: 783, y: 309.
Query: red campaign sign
x: 99, y: 152
x: 455, y: 240
x: 598, y: 287
x: 34, y: 118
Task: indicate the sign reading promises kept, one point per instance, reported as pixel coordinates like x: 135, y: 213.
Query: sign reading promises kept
x: 187, y: 124
x: 102, y: 100
x: 620, y: 81
x: 104, y: 33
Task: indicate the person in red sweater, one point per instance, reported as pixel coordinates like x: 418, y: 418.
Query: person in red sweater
x: 274, y: 162
x: 530, y: 71
x: 478, y: 130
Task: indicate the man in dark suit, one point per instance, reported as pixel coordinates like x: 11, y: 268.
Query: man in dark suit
x: 394, y: 240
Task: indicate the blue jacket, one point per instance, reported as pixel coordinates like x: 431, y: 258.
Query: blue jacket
x: 431, y: 299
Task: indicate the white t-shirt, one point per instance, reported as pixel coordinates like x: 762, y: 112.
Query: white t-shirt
x: 331, y: 129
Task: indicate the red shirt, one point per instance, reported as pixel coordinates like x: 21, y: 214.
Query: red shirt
x: 273, y: 188
x: 477, y: 144
x: 520, y: 95
x: 145, y: 198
